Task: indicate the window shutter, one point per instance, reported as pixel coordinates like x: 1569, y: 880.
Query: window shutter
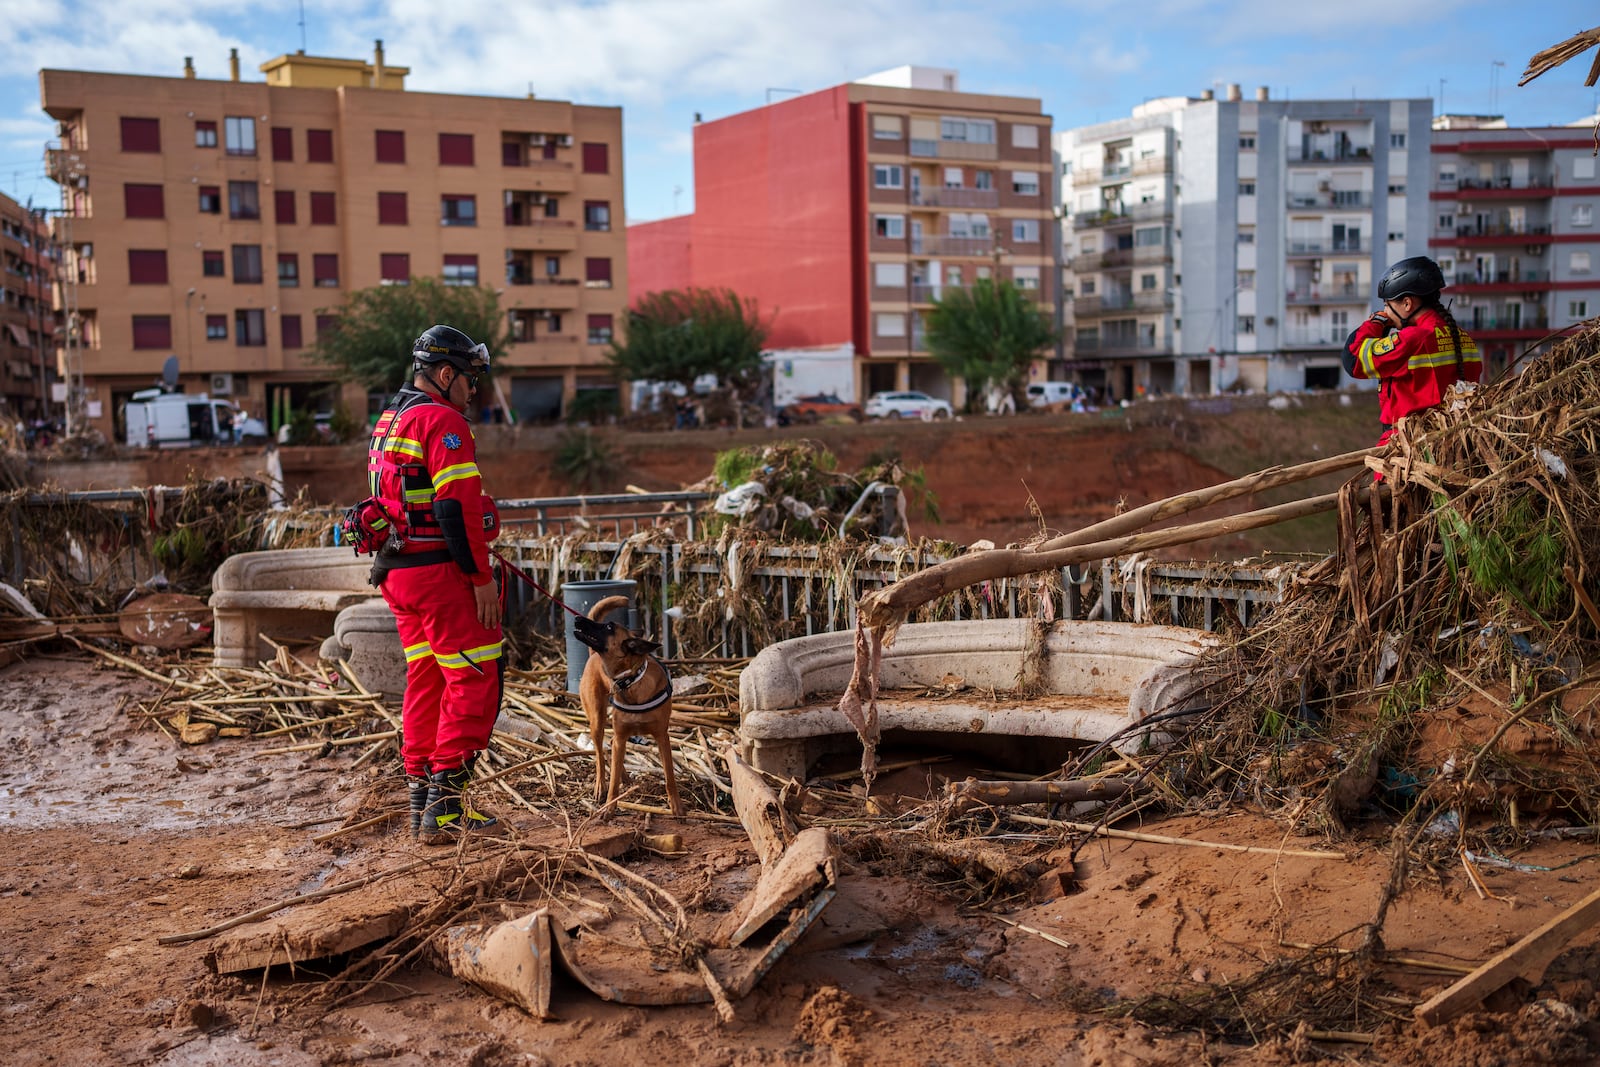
x: 455, y: 149
x: 282, y: 144
x: 325, y: 270
x: 391, y: 146
x: 147, y: 266
x: 319, y: 146
x: 596, y: 158
x: 283, y: 207
x: 324, y: 211
x: 152, y: 331
x: 392, y: 209
x: 141, y: 135
x: 395, y: 266
x: 289, y: 326
x: 143, y: 202
x: 597, y: 270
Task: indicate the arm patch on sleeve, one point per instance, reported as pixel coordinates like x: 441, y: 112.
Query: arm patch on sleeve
x: 1383, y: 346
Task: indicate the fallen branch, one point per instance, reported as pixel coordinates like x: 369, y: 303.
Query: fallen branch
x: 1188, y: 842
x: 974, y: 793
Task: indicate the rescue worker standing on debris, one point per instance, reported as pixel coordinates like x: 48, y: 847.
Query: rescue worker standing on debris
x: 1411, y: 345
x: 434, y: 573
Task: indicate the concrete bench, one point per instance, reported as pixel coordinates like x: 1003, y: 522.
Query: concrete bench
x: 1096, y: 678
x: 289, y: 594
x: 365, y: 636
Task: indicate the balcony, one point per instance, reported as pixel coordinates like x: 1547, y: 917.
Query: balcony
x: 1499, y: 324
x: 1534, y: 187
x: 1339, y: 153
x: 947, y: 245
x: 1325, y: 294
x: 1152, y: 254
x: 1312, y: 337
x: 1495, y: 234
x: 1332, y: 200
x: 922, y: 293
x: 1326, y: 246
x: 1116, y: 257
x: 963, y: 198
x: 1152, y: 165
x: 1501, y: 281
x: 952, y: 149
x: 1093, y: 220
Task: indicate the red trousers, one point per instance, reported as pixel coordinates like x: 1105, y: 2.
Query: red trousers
x: 453, y: 679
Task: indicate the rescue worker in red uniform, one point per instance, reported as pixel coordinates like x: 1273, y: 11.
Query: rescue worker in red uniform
x: 434, y: 573
x: 1411, y: 345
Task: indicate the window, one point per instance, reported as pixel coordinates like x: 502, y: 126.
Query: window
x: 1582, y: 215
x: 974, y: 131
x: 597, y: 272
x: 1025, y: 231
x: 460, y: 270
x: 1024, y: 183
x: 1447, y: 221
x: 889, y: 275
x: 147, y: 266
x: 1577, y: 309
x: 954, y: 178
x: 247, y: 264
x: 983, y: 179
x: 326, y: 325
x: 282, y: 144
x: 1397, y: 235
x: 205, y: 134
x: 289, y: 327
x: 552, y: 266
x: 1086, y: 286
x: 1447, y: 175
x: 1583, y: 167
x: 892, y: 227
x: 242, y: 201
x: 392, y: 209
x: 596, y: 159
x: 891, y: 324
x: 1397, y: 140
x: 1247, y: 324
x: 210, y: 200
x: 1149, y: 236
x: 1247, y: 235
x: 152, y: 331
x: 1397, y: 188
x: 395, y: 268
x: 1247, y: 188
x: 288, y: 270
x: 241, y: 135
x: 324, y: 209
x: 1579, y: 263
x: 455, y: 149
x: 325, y: 270
x: 953, y: 276
x: 1021, y: 277
x: 216, y: 327
x: 1147, y: 283
x: 596, y: 214
x: 599, y: 329
x: 888, y: 176
x: 1247, y: 142
x: 250, y: 327
x: 283, y: 207
x: 143, y: 202
x: 212, y: 265
x: 887, y: 128
x: 319, y: 146
x: 552, y: 207
x: 554, y: 321
x: 1245, y: 279
x: 390, y: 146
x: 458, y: 210
x: 1024, y: 135
x: 141, y: 135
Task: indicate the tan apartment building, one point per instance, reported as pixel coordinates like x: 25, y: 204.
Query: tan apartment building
x: 27, y: 324
x: 224, y: 222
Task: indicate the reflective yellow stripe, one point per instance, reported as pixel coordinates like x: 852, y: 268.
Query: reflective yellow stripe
x: 1469, y: 354
x: 470, y: 657
x: 418, y: 651
x: 417, y: 496
x: 406, y: 447
x: 1370, y: 350
x: 455, y: 474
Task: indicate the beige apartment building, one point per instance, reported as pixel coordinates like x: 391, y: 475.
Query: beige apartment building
x: 27, y: 326
x: 224, y: 222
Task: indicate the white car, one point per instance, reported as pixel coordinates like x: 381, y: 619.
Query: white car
x: 907, y: 405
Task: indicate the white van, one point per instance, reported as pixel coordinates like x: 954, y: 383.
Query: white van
x: 1043, y: 394
x: 175, y: 420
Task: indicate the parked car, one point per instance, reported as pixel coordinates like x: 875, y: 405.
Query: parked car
x: 817, y: 408
x: 1043, y: 394
x: 906, y: 405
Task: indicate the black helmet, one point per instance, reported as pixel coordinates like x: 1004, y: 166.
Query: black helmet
x: 446, y: 344
x: 1418, y: 276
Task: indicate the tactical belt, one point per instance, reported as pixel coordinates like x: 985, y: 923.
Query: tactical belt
x: 382, y: 564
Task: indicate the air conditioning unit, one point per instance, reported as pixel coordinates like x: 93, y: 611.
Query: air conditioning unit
x: 1463, y: 209
x: 222, y: 384
x: 565, y: 140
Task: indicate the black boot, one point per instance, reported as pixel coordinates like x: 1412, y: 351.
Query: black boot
x: 448, y: 815
x: 419, y: 789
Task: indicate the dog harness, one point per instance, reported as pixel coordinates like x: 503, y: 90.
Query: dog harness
x: 625, y: 681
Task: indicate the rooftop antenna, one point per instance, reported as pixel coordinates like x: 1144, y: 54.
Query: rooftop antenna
x: 302, y: 25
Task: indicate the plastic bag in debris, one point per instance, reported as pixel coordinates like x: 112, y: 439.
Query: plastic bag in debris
x: 741, y: 499
x: 798, y: 508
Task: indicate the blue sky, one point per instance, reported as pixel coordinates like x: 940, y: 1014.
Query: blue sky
x: 664, y: 60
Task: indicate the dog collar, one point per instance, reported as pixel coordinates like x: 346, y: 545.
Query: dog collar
x: 624, y: 681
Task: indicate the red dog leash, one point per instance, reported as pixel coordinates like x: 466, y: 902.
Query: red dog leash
x: 520, y: 573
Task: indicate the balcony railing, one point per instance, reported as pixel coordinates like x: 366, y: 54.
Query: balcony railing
x: 1498, y: 319
x: 1325, y: 294
x: 1314, y: 337
x: 1326, y: 245
x: 943, y: 244
x: 1501, y: 229
x: 1535, y: 182
x: 1086, y: 220
x: 1337, y: 154
x: 945, y: 197
x: 1337, y: 199
x: 1502, y: 277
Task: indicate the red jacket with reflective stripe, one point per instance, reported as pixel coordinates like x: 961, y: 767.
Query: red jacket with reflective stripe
x: 1415, y: 365
x: 423, y: 452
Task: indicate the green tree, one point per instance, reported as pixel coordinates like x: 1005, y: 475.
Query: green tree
x: 989, y: 333
x: 374, y: 328
x: 678, y: 335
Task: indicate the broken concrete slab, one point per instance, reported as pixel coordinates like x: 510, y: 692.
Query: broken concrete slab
x: 510, y: 960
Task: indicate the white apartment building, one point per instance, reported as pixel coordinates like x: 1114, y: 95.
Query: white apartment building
x: 1216, y: 244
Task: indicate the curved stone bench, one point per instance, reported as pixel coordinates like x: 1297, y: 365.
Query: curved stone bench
x: 1097, y: 678
x: 365, y: 636
x: 289, y: 594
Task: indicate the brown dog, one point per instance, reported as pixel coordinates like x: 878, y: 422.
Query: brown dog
x: 625, y: 684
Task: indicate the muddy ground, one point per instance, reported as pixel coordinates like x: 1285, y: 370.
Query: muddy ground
x: 113, y: 835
